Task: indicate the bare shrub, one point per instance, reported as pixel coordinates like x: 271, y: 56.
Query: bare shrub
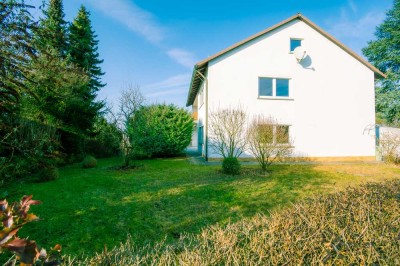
x: 268, y: 140
x: 389, y: 145
x: 227, y: 131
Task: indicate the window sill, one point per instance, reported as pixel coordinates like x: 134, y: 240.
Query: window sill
x: 275, y: 98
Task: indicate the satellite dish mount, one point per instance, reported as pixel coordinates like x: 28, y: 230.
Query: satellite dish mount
x: 300, y: 53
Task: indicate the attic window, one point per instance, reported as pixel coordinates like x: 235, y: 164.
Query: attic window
x: 294, y: 43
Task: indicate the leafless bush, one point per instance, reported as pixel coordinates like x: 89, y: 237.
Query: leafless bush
x: 359, y: 226
x: 268, y: 140
x: 227, y: 131
x: 389, y: 145
x: 130, y: 101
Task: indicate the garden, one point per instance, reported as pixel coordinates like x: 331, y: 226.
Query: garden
x: 90, y: 210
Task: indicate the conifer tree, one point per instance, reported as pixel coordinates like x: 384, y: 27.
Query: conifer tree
x: 83, y: 53
x: 83, y: 47
x: 52, y: 30
x: 384, y: 53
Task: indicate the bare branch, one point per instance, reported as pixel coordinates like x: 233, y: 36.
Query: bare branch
x: 268, y: 140
x: 227, y: 131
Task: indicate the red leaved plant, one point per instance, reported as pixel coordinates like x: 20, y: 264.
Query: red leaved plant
x: 13, y: 217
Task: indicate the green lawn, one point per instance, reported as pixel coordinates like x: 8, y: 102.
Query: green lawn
x: 86, y: 209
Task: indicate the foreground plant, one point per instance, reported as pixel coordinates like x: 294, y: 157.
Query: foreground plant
x: 13, y: 217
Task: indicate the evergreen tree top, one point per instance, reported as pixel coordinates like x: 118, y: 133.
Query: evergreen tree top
x: 52, y: 33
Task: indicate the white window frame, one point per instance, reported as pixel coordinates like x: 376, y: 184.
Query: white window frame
x: 274, y: 97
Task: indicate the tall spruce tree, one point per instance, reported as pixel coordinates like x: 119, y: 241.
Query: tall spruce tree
x: 16, y: 52
x: 53, y: 28
x: 384, y: 53
x: 83, y: 53
x: 83, y: 45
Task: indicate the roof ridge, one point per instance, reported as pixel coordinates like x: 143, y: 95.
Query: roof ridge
x: 204, y: 62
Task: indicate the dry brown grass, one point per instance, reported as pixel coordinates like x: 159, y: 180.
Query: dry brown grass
x: 359, y: 226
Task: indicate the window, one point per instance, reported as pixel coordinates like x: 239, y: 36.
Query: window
x: 282, y: 87
x: 294, y: 43
x: 273, y: 134
x: 281, y: 135
x: 273, y: 87
x: 266, y: 133
x: 265, y: 86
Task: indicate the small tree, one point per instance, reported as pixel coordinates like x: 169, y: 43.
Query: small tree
x: 268, y: 140
x: 389, y: 146
x: 227, y: 131
x: 129, y: 103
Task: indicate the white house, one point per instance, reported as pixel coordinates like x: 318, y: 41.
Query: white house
x: 323, y: 91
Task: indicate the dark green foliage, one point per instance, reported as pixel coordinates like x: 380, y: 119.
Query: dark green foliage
x: 231, y: 166
x: 89, y: 162
x: 160, y: 130
x: 47, y: 173
x: 15, y: 53
x: 105, y: 141
x: 29, y: 146
x: 46, y: 97
x: 384, y: 53
x: 82, y: 52
x: 52, y: 33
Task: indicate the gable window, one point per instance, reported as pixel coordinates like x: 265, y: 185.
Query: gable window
x: 273, y: 87
x: 294, y: 43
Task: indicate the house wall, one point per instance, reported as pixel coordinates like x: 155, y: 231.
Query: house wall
x: 201, y: 105
x: 332, y: 93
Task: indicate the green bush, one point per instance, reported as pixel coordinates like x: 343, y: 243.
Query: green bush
x: 231, y: 166
x: 358, y: 226
x: 89, y: 162
x: 106, y: 140
x: 47, y: 173
x: 160, y: 130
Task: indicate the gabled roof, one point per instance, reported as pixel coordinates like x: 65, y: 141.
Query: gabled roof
x: 202, y: 65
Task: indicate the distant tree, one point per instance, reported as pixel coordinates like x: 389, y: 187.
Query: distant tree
x: 52, y: 32
x: 268, y: 141
x: 384, y: 53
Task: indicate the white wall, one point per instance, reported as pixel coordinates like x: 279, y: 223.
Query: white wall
x: 332, y: 98
x: 201, y: 117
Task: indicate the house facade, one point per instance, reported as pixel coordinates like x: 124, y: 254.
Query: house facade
x: 323, y: 96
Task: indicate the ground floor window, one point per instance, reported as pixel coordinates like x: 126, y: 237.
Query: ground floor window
x: 274, y: 134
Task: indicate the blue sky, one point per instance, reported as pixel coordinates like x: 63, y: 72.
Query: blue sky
x: 154, y: 44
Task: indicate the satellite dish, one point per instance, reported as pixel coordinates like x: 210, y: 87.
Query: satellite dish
x: 300, y: 53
